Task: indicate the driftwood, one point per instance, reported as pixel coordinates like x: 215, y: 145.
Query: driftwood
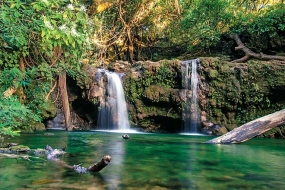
x: 249, y: 53
x: 96, y: 167
x: 53, y: 154
x: 251, y: 129
x: 100, y: 165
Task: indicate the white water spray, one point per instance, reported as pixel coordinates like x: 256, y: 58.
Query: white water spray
x: 191, y: 115
x: 113, y: 113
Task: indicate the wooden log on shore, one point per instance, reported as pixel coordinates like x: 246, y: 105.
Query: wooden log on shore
x: 251, y: 129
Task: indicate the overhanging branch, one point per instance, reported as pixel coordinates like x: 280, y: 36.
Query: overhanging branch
x: 249, y: 53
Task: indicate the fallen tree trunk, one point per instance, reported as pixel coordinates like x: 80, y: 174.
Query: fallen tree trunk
x: 249, y: 53
x: 251, y: 129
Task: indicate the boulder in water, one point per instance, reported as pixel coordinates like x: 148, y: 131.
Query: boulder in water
x: 125, y: 136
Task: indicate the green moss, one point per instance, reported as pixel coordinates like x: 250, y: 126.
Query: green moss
x: 244, y: 90
x: 234, y: 93
x: 19, y: 148
x: 154, y: 92
x: 213, y: 73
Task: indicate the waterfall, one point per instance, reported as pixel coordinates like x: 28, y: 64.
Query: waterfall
x: 113, y: 110
x: 191, y: 115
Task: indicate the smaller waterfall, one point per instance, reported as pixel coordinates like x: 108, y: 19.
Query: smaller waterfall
x: 113, y: 110
x: 191, y: 115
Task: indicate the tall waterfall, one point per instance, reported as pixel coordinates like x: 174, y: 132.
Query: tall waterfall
x: 113, y: 110
x: 191, y: 115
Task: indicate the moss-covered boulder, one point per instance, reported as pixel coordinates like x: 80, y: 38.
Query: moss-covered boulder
x: 15, y: 149
x: 241, y: 92
x: 152, y: 90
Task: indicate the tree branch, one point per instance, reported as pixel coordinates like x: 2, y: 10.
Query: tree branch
x: 249, y: 53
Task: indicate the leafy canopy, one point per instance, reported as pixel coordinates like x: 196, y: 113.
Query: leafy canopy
x: 47, y: 37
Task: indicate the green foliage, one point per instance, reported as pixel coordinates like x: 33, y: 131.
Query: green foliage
x: 205, y: 21
x: 14, y: 116
x: 34, y: 29
x: 48, y: 36
x: 264, y: 28
x: 166, y: 76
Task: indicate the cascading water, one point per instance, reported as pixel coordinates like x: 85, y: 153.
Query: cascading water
x: 191, y: 115
x: 113, y: 110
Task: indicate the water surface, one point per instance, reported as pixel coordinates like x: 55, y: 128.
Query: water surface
x: 147, y: 161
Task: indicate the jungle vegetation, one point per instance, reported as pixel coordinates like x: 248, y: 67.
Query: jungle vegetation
x: 40, y: 40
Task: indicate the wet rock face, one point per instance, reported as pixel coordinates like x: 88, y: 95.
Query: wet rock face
x: 240, y: 92
x: 229, y: 94
x: 213, y: 129
x: 152, y: 90
x: 83, y: 112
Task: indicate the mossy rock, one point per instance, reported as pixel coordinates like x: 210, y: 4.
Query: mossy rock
x: 15, y: 149
x: 39, y: 127
x: 213, y: 73
x: 157, y: 93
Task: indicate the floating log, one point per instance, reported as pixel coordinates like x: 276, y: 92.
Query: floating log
x: 53, y: 154
x: 94, y: 168
x: 100, y: 165
x: 251, y: 129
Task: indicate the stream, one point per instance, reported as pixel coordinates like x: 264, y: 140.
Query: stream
x: 146, y: 161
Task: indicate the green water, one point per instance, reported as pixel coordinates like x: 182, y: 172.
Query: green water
x: 147, y: 161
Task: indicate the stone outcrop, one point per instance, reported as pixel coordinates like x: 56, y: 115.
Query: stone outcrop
x: 230, y: 94
x: 236, y: 93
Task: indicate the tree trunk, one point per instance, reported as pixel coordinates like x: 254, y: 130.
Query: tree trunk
x: 130, y: 50
x: 64, y: 97
x: 249, y: 53
x: 251, y: 129
x: 22, y: 64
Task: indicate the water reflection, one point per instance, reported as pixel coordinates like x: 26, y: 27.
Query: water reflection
x: 156, y: 161
x: 117, y: 151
